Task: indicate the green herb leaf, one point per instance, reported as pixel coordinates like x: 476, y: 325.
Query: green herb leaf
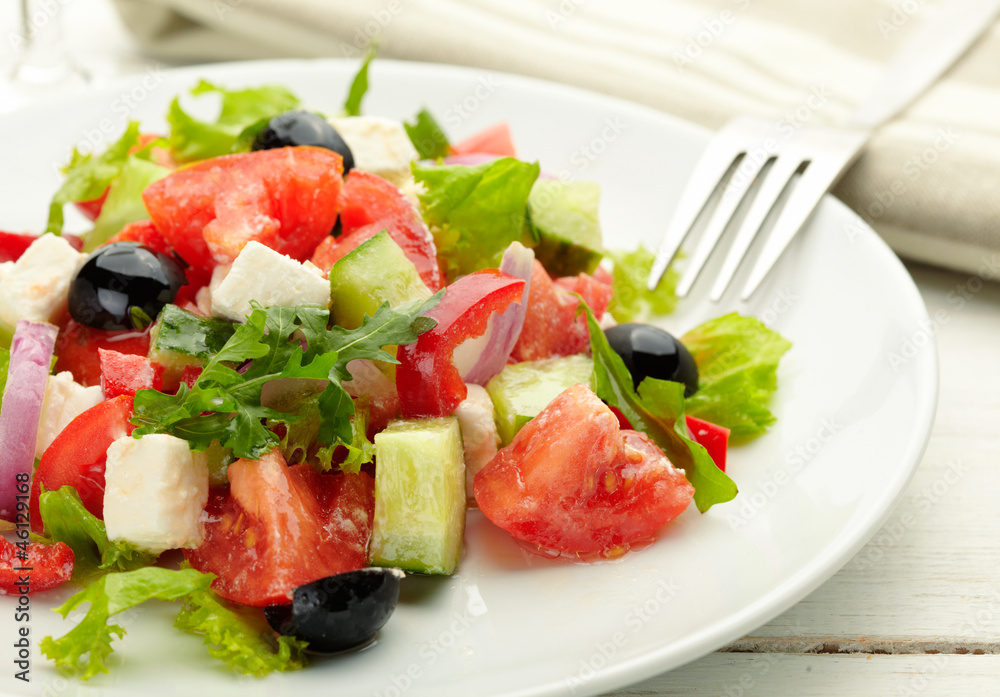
x: 87, y: 176
x: 737, y: 360
x: 225, y: 405
x: 359, y: 86
x: 475, y: 212
x: 427, y: 136
x: 631, y: 300
x: 192, y: 139
x: 658, y: 411
x: 66, y: 520
x: 234, y: 637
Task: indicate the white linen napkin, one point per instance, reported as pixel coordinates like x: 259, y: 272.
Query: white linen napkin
x: 929, y: 181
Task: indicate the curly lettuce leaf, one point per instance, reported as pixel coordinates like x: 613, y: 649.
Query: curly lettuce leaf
x: 359, y: 85
x: 234, y: 637
x: 658, y: 411
x: 192, y: 139
x: 66, y: 520
x: 87, y: 176
x: 631, y: 300
x: 124, y: 204
x: 737, y: 360
x: 427, y: 136
x: 475, y: 212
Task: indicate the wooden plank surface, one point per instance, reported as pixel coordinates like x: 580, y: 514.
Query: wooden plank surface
x: 920, y: 604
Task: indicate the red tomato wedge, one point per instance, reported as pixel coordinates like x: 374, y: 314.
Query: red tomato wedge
x: 551, y: 327
x: 370, y: 204
x: 78, y: 348
x: 126, y: 374
x: 145, y: 233
x: 278, y: 527
x: 78, y: 455
x: 573, y: 481
x: 495, y: 140
x: 429, y: 383
x: 50, y: 565
x: 285, y: 198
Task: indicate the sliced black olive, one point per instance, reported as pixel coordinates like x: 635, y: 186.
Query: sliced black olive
x: 649, y: 351
x: 302, y: 128
x: 123, y: 286
x: 339, y: 612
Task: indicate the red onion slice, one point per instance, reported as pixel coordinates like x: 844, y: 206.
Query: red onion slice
x: 503, y: 330
x: 30, y: 359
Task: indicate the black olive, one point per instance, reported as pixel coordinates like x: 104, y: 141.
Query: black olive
x: 649, y: 351
x: 339, y: 612
x: 123, y: 286
x: 302, y: 128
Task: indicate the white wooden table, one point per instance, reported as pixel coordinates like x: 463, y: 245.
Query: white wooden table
x: 917, y: 612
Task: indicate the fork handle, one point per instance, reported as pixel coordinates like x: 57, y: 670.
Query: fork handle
x: 925, y: 56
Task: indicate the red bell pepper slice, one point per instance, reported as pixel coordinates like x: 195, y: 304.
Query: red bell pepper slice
x: 429, y: 383
x: 712, y: 437
x: 29, y: 567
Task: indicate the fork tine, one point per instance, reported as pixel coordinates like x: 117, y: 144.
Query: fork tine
x: 818, y: 178
x: 774, y: 183
x: 711, y: 168
x: 735, y: 191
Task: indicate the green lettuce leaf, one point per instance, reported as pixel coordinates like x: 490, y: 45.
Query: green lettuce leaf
x: 427, y: 136
x: 88, y: 176
x: 658, y: 411
x: 231, y: 636
x: 475, y: 212
x: 66, y: 520
x: 192, y: 139
x: 737, y: 360
x: 225, y: 405
x: 359, y: 85
x: 124, y: 204
x: 631, y: 300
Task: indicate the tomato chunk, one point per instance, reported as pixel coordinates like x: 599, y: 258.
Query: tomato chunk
x: 278, y: 527
x: 573, y: 481
x: 78, y: 348
x: 50, y: 565
x: 285, y: 198
x: 495, y: 140
x: 126, y: 374
x: 429, y: 383
x: 78, y: 455
x: 145, y: 233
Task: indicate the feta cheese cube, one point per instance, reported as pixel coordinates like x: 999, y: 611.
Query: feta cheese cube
x: 155, y: 492
x: 479, y: 432
x: 64, y: 400
x: 36, y: 287
x: 379, y: 145
x: 262, y: 274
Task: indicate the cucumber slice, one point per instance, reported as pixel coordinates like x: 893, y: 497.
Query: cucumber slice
x: 419, y: 496
x: 562, y: 216
x: 520, y: 391
x: 181, y: 338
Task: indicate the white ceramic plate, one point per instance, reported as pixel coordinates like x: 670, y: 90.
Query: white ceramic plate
x: 855, y: 408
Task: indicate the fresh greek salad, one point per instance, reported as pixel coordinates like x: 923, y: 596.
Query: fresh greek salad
x: 294, y: 349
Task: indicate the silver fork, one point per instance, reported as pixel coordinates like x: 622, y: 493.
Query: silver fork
x: 747, y: 144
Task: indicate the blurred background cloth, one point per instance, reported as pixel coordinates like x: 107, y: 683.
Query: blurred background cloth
x: 929, y: 182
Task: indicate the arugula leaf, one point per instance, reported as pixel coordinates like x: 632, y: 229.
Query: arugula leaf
x: 192, y: 139
x: 231, y: 636
x: 352, y: 105
x: 301, y: 436
x: 658, y: 411
x: 475, y: 212
x: 737, y: 360
x: 66, y: 520
x: 4, y: 365
x: 427, y: 136
x: 124, y: 204
x: 630, y: 299
x: 87, y: 177
x: 225, y: 405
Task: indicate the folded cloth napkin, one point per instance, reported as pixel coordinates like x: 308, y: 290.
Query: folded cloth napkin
x: 929, y: 181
